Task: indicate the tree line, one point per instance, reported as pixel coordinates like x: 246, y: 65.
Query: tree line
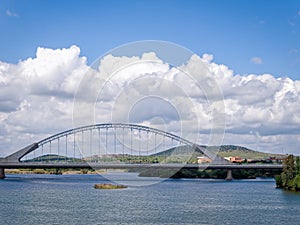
x: 289, y: 179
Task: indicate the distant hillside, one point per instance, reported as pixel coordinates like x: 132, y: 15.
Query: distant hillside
x: 180, y: 150
x: 53, y: 158
x: 224, y: 151
x: 232, y: 150
x: 175, y: 155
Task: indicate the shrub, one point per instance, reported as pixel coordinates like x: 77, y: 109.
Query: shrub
x: 278, y: 181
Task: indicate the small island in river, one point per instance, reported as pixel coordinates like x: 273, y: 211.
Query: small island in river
x: 109, y: 186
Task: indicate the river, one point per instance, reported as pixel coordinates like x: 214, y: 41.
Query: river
x: 71, y: 199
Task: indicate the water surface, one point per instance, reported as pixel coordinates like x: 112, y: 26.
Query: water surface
x: 71, y: 199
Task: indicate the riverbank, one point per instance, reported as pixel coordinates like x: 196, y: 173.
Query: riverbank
x: 207, y: 174
x: 166, y: 173
x: 54, y: 171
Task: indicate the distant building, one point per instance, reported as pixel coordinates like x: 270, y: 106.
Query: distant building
x: 275, y: 159
x: 253, y: 160
x: 235, y: 159
x: 203, y: 159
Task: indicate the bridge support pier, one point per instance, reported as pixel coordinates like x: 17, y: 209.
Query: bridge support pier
x: 2, y: 173
x: 229, y: 175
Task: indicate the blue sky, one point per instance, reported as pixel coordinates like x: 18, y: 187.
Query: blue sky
x: 46, y: 47
x: 268, y: 32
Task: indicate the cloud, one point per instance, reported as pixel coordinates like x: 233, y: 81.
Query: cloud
x: 256, y: 60
x: 36, y: 98
x: 11, y: 14
x: 293, y: 51
x: 291, y: 23
x: 36, y: 95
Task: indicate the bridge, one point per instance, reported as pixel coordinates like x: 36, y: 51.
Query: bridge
x: 118, y: 146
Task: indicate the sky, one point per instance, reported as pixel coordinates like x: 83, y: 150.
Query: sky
x: 250, y: 47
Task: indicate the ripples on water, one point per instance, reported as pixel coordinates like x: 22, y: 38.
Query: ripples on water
x: 71, y: 199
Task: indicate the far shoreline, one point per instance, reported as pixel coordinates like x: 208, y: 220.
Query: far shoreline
x: 182, y: 174
x: 53, y: 171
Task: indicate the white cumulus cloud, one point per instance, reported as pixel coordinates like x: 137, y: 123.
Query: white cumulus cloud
x: 36, y: 98
x: 256, y: 60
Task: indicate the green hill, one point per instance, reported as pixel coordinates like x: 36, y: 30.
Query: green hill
x: 223, y: 151
x: 53, y: 158
x: 173, y: 155
x: 232, y: 150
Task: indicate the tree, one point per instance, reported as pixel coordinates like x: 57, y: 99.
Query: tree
x: 298, y: 165
x: 278, y: 179
x: 289, y: 173
x: 296, y: 185
x: 289, y: 166
x: 290, y: 176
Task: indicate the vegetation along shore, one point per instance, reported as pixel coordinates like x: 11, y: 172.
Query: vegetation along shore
x: 289, y: 179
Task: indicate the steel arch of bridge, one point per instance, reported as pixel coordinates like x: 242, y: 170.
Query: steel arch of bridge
x: 114, y: 126
x: 17, y: 156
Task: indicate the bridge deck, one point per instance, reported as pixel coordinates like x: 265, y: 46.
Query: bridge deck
x: 139, y: 166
